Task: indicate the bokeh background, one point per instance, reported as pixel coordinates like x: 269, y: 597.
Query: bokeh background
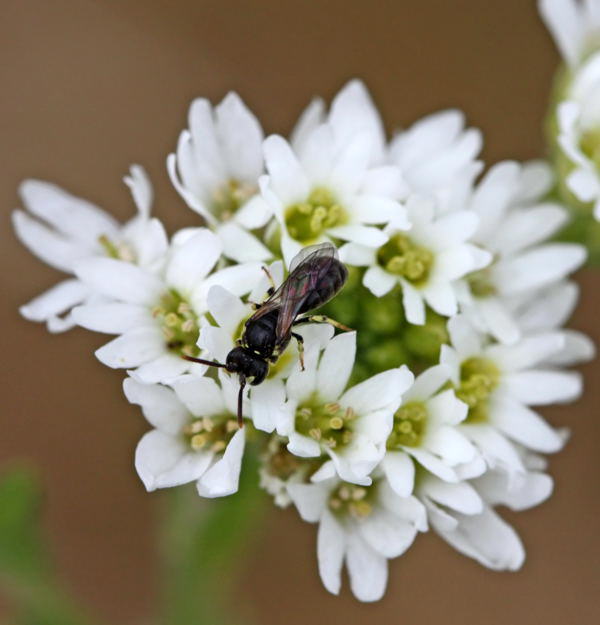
x: 88, y: 87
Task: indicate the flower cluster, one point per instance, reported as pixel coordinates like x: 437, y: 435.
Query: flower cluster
x: 574, y: 123
x: 425, y: 415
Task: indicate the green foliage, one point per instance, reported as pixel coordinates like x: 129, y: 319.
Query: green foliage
x: 26, y: 575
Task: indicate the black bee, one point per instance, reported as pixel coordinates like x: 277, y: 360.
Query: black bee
x: 315, y: 276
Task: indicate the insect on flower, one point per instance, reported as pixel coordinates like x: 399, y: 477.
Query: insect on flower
x: 316, y: 275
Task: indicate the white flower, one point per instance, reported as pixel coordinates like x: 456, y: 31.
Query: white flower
x: 330, y: 183
x: 317, y: 417
x: 195, y: 436
x: 425, y: 430
x: 437, y: 158
x: 574, y: 24
x: 157, y: 315
x: 549, y: 311
x: 427, y: 261
x: 499, y: 382
x: 468, y: 522
x: 363, y: 525
x: 515, y: 225
x: 352, y: 111
x: 575, y: 27
x: 61, y: 229
x: 216, y: 170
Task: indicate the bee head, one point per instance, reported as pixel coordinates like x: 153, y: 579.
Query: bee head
x: 244, y: 362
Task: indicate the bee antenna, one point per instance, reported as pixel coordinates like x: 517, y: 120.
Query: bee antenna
x: 201, y: 361
x: 240, y: 400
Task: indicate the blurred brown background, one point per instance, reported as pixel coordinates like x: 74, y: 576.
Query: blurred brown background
x: 90, y: 87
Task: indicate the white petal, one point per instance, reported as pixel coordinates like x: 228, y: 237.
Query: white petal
x: 224, y: 476
x: 387, y: 534
x: 163, y: 461
x: 268, y: 405
x: 432, y: 463
x: 494, y: 447
x: 76, y: 218
x: 159, y: 404
x: 141, y: 189
x: 498, y: 319
x: 255, y: 213
x: 538, y: 387
x: 358, y: 255
x: 537, y: 268
x: 240, y: 137
x: 201, y: 396
x: 427, y: 383
x: 56, y: 300
x: 309, y: 119
x: 192, y: 261
x: 383, y: 390
x: 532, y: 489
x: 216, y: 341
x: 238, y: 279
x: 367, y: 569
x: 227, y: 309
x: 450, y: 445
x: 378, y: 281
x: 240, y: 245
x: 47, y: 245
x: 113, y: 318
x: 336, y: 366
x: 524, y: 425
x: 489, y: 540
x: 286, y: 175
x: 310, y: 499
x: 376, y: 209
x: 364, y: 235
x: 441, y: 297
x: 461, y: 497
x: 564, y: 23
x: 414, y: 306
x: 331, y: 545
x: 120, y: 280
x: 165, y: 368
x: 132, y: 349
x: 303, y: 446
x: 399, y: 471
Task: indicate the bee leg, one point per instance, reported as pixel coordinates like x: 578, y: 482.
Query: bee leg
x: 300, y: 341
x: 272, y: 288
x: 323, y: 319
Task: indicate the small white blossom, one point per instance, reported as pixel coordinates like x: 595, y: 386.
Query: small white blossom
x: 216, y: 170
x: 363, y: 525
x: 331, y: 182
x: 427, y: 261
x: 425, y: 431
x: 317, y: 417
x: 437, y: 158
x: 515, y: 225
x: 195, y: 437
x: 499, y: 383
x: 61, y: 229
x: 157, y: 315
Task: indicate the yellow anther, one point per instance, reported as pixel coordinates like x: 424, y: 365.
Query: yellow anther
x: 218, y: 446
x: 315, y: 433
x: 336, y: 423
x: 359, y: 493
x: 198, y: 441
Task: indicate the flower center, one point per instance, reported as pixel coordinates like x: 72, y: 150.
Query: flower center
x: 410, y: 421
x: 118, y: 251
x: 306, y: 221
x: 403, y: 257
x: 178, y: 322
x: 481, y: 283
x: 352, y: 500
x: 279, y: 462
x: 478, y: 379
x: 228, y: 198
x: 589, y: 143
x: 329, y: 424
x: 210, y: 433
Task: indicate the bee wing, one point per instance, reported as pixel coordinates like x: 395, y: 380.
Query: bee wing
x: 306, y: 270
